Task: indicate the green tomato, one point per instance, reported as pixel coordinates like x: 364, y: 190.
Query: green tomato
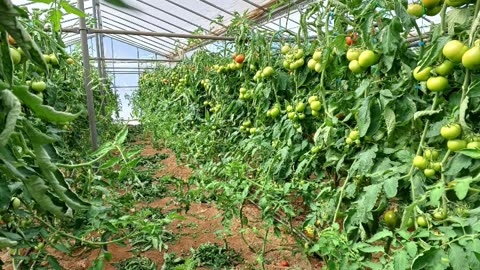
x: 429, y: 172
x: 437, y: 84
x: 316, y: 113
x: 354, y: 135
x: 422, y: 221
x: 415, y: 10
x: 390, y: 218
x: 456, y: 145
x: 348, y: 141
x: 317, y: 56
x: 300, y: 107
x: 312, y: 99
x: 473, y: 145
x: 440, y: 214
x: 368, y: 58
x: 409, y: 223
x: 291, y: 115
x: 420, y: 162
x: 451, y: 131
x: 454, y: 50
x: 16, y: 56
x: 318, y: 67
x: 355, y: 67
x: 301, y: 116
x: 315, y: 149
x: 444, y: 69
x: 39, y: 86
x: 274, y: 112
x: 247, y: 123
x: 353, y: 54
x: 267, y: 72
x: 299, y: 54
x: 53, y: 59
x: 289, y: 108
x: 471, y: 58
x: 311, y: 64
x: 422, y: 75
x: 285, y: 49
x: 430, y: 154
x: 433, y: 11
x: 437, y: 166
x: 286, y: 64
x: 430, y: 3
x: 300, y: 62
x: 16, y: 203
x: 316, y: 105
x: 253, y: 130
x: 70, y: 61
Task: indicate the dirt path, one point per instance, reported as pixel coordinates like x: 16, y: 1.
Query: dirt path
x: 202, y: 224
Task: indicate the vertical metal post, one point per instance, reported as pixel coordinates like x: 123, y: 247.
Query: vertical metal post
x: 87, y: 79
x: 99, y: 49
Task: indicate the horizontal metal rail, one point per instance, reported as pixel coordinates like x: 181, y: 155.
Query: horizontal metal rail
x: 146, y: 33
x: 133, y: 60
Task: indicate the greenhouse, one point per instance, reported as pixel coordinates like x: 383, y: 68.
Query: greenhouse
x: 239, y: 134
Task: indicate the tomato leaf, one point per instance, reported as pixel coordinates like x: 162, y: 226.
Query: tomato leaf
x: 474, y: 89
x: 5, y: 242
x: 436, y: 194
x: 473, y: 153
x: 390, y: 120
x: 364, y: 119
x: 55, y: 17
x: 458, y: 163
x: 120, y: 4
x: 457, y: 257
x: 53, y: 263
x: 425, y: 113
x: 13, y: 107
x: 390, y: 186
x: 362, y: 88
x: 6, y: 67
x: 390, y: 38
x: 380, y: 235
x: 462, y: 186
x: 434, y: 51
x: 5, y: 196
x: 71, y: 9
x: 428, y: 258
x: 401, y: 260
x: 41, y: 111
x: 462, y: 111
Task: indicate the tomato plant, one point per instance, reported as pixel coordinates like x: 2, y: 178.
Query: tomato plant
x: 379, y: 111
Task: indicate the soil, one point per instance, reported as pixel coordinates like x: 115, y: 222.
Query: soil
x: 202, y: 224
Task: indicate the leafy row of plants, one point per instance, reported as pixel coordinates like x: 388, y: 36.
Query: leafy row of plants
x: 360, y: 144
x: 55, y: 196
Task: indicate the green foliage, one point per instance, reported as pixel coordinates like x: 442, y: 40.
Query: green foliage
x: 305, y: 163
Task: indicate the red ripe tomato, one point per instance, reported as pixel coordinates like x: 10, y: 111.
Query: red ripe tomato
x: 285, y: 264
x: 240, y: 58
x: 349, y: 41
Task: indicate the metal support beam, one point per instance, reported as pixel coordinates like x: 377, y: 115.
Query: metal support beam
x: 99, y: 49
x: 134, y: 60
x: 143, y: 33
x: 87, y: 79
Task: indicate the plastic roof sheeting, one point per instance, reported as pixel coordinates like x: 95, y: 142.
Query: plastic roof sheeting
x: 209, y: 17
